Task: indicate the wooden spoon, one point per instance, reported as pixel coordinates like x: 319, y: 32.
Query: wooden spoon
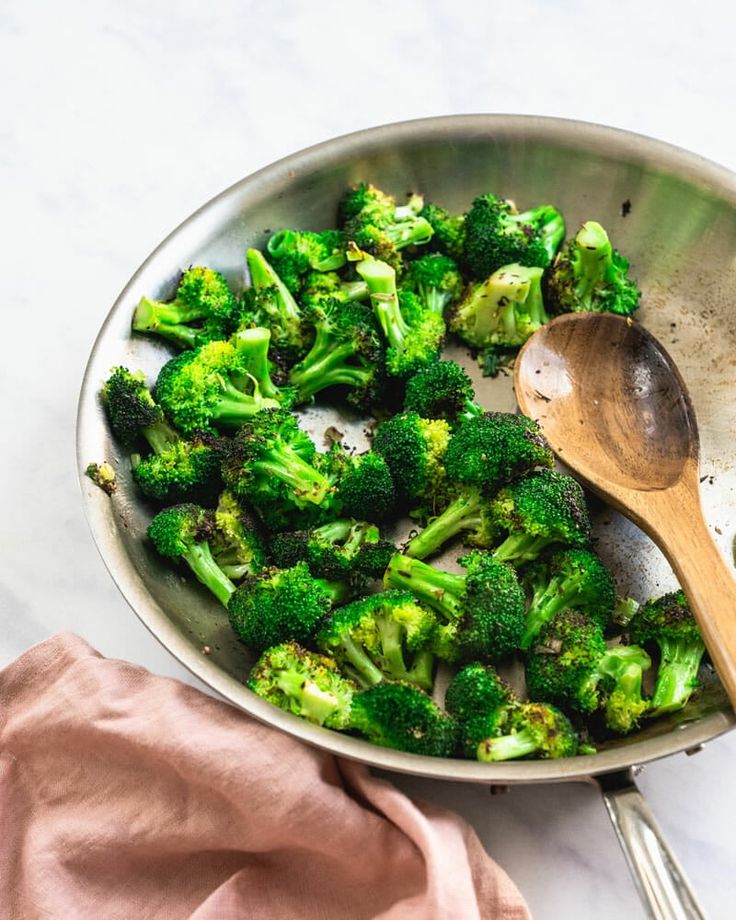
x: 615, y: 410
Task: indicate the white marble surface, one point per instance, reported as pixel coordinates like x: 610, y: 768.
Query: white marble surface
x: 119, y: 119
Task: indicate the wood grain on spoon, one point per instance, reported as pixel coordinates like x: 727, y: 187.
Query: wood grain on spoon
x: 614, y: 408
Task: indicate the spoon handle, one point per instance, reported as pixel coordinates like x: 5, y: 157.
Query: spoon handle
x: 709, y: 584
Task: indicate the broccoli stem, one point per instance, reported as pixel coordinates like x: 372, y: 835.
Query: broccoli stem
x: 521, y: 547
x: 263, y: 276
x: 678, y: 674
x: 316, y: 705
x: 166, y: 319
x: 201, y: 562
x: 354, y: 290
x: 381, y: 280
x: 421, y: 671
x: 327, y: 366
x: 547, y: 603
x: 441, y: 590
x: 334, y: 532
x: 252, y: 346
x: 413, y: 231
x: 436, y: 300
x: 368, y: 674
x: 463, y: 514
x: 592, y: 257
x: 507, y: 747
x: 234, y: 406
x: 282, y: 462
x: 160, y: 436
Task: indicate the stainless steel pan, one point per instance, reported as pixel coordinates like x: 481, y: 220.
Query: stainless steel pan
x: 671, y: 212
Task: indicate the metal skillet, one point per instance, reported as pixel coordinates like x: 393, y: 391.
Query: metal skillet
x: 674, y: 215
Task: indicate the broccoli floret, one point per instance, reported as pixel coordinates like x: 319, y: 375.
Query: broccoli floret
x: 448, y: 230
x: 103, y: 476
x: 569, y: 578
x: 183, y: 532
x: 543, y: 508
x: 383, y: 636
x: 669, y: 622
x: 533, y: 730
x: 374, y: 223
x: 365, y: 486
x: 303, y: 683
x: 483, y: 608
x: 211, y: 387
x: 414, y: 449
x: 340, y: 549
x: 270, y: 303
x: 504, y: 310
x: 571, y: 666
x: 413, y: 334
x: 496, y: 235
x: 294, y: 253
x: 441, y: 390
x: 494, y: 448
x: 477, y: 690
x: 347, y: 351
x: 590, y: 275
x: 319, y: 285
x: 437, y: 281
x: 237, y: 545
x: 130, y: 408
x: 400, y: 716
x: 271, y: 463
x: 204, y: 309
x: 469, y: 513
x: 276, y: 605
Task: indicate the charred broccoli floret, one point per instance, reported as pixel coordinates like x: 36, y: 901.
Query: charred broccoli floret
x: 382, y: 637
x: 441, y: 390
x: 543, y: 508
x: 448, y: 230
x: 669, y: 622
x: 528, y: 730
x: 590, y: 275
x: 437, y: 281
x: 494, y: 448
x: 203, y: 309
x: 569, y: 578
x: 400, y: 716
x: 496, y: 235
x: 303, y: 683
x: 413, y: 334
x: 477, y: 690
x: 504, y: 310
x: 277, y: 605
x: 571, y: 666
x: 184, y: 532
x: 347, y: 351
x: 270, y: 303
x: 483, y: 608
x: 340, y: 549
x: 237, y: 545
x: 294, y: 253
x: 365, y: 486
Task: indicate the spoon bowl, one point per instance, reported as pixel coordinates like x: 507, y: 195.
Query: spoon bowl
x: 616, y: 410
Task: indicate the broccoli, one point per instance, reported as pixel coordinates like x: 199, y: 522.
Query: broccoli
x: 212, y: 386
x: 589, y: 275
x: 413, y: 334
x: 414, y: 449
x: 303, y: 683
x: 270, y: 303
x: 183, y: 532
x: 275, y: 605
x: 437, y: 281
x: 571, y: 666
x: 177, y: 469
x: 530, y: 730
x: 294, y: 253
x: 340, y: 549
x: 319, y: 285
x: 496, y: 235
x: 669, y: 622
x: 270, y: 462
x: 468, y: 513
x: 441, y: 390
x: 504, y: 310
x: 448, y: 230
x: 237, y: 544
x: 569, y: 578
x: 484, y: 608
x: 543, y: 508
x: 365, y: 486
x: 477, y: 690
x: 374, y: 223
x: 103, y: 476
x: 203, y: 309
x: 398, y: 715
x: 382, y: 637
x: 347, y: 351
x: 494, y: 448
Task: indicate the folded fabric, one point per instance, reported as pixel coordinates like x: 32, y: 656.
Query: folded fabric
x: 125, y: 795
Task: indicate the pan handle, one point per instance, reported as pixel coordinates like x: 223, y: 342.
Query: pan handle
x: 662, y: 885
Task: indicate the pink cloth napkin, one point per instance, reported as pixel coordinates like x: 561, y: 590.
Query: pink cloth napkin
x: 125, y: 795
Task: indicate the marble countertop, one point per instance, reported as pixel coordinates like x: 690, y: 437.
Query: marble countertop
x: 120, y: 119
